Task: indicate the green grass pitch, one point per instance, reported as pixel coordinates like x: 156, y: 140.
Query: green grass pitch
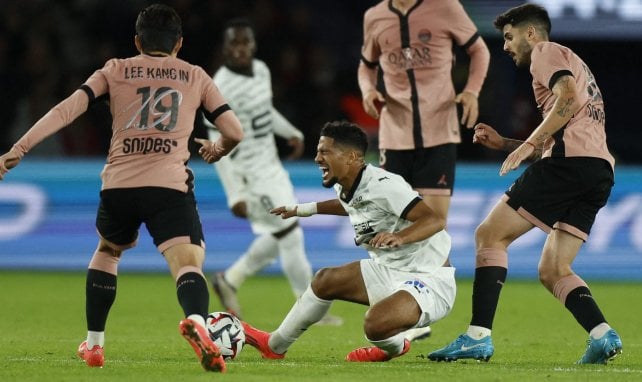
x: 42, y: 322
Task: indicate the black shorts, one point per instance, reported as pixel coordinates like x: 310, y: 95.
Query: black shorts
x: 430, y: 170
x: 168, y: 215
x: 564, y: 193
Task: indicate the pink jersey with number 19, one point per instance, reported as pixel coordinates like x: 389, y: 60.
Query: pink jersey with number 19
x: 153, y: 102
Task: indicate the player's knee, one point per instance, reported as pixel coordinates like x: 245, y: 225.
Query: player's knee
x: 105, y: 249
x: 482, y: 233
x: 374, y: 326
x: 321, y: 283
x: 549, y: 273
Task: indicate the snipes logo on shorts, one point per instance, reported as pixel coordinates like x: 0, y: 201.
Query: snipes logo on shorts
x: 418, y: 285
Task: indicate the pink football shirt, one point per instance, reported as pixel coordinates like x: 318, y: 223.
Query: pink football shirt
x: 153, y: 102
x: 584, y: 135
x: 415, y: 53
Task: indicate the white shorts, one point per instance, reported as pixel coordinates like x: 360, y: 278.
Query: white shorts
x: 261, y: 195
x: 434, y: 293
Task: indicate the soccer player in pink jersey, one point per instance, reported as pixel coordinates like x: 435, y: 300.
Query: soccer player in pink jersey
x: 153, y: 99
x: 560, y: 192
x: 408, y: 43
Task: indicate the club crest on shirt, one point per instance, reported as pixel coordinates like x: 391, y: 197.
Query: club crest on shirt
x: 424, y: 36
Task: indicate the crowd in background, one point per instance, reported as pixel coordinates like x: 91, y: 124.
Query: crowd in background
x: 48, y: 48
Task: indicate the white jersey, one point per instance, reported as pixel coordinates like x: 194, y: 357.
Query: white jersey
x: 253, y: 172
x: 250, y: 97
x: 379, y: 202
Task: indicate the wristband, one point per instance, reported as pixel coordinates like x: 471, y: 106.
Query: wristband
x: 306, y: 209
x: 534, y: 147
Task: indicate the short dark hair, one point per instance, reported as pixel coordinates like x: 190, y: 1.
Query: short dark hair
x: 239, y: 22
x: 346, y: 134
x: 524, y: 13
x: 158, y: 27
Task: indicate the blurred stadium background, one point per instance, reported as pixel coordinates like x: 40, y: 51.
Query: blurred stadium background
x: 48, y: 48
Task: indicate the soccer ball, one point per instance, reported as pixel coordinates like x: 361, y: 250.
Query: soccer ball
x: 227, y: 333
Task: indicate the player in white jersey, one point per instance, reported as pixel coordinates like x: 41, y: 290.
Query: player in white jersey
x: 407, y: 281
x: 253, y: 177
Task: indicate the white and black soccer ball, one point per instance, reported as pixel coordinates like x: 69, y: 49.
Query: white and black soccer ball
x: 227, y: 332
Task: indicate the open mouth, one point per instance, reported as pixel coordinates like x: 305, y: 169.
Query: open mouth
x: 324, y: 171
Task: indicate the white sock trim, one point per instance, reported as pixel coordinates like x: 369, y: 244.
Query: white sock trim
x: 478, y: 332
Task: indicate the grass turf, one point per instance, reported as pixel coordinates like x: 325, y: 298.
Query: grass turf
x: 535, y: 337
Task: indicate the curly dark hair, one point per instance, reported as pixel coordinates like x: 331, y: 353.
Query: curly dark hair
x: 346, y: 134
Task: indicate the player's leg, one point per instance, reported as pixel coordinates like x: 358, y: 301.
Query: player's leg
x: 182, y: 245
x: 260, y: 254
x: 384, y: 327
x: 399, y: 301
x: 294, y: 262
x: 557, y: 276
x: 500, y: 228
x: 334, y: 283
x: 100, y: 294
x: 592, y: 180
x: 118, y: 230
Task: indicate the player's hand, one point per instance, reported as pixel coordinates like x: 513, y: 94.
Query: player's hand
x: 240, y: 210
x: 207, y: 151
x: 370, y: 100
x: 516, y: 157
x: 386, y: 240
x: 297, y: 148
x: 8, y: 161
x: 470, y: 108
x: 488, y: 137
x: 284, y: 212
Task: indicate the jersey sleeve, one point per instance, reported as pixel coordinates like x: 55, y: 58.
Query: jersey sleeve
x: 463, y: 31
x: 58, y: 117
x: 211, y: 99
x: 549, y: 63
x: 394, y: 194
x: 370, y: 51
x: 283, y: 128
x: 97, y: 84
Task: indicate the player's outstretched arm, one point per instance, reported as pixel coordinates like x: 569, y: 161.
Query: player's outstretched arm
x: 489, y: 137
x: 8, y: 161
x: 328, y: 207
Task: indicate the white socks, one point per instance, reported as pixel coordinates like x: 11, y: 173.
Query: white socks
x: 261, y: 253
x: 264, y: 250
x: 294, y: 262
x: 197, y: 318
x: 95, y: 338
x: 307, y: 310
x: 392, y: 345
x: 600, y: 330
x: 477, y: 332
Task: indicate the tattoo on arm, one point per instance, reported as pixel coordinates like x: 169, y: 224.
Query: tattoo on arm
x: 564, y: 110
x: 564, y: 91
